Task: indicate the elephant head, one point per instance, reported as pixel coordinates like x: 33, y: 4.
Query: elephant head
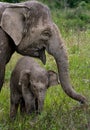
x: 31, y: 28
x: 35, y: 84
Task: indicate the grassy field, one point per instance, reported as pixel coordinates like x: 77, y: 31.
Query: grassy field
x: 60, y: 112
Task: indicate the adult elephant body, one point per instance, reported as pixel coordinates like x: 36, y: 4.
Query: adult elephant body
x: 28, y: 29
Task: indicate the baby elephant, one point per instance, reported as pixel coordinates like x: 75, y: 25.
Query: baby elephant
x: 28, y: 85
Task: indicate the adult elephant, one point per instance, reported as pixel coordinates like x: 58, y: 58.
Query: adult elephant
x: 28, y: 29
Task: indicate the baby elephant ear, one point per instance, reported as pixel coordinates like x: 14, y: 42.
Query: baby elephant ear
x: 24, y: 77
x: 12, y: 22
x: 53, y: 78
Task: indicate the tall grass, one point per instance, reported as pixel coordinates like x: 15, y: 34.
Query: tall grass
x: 60, y: 112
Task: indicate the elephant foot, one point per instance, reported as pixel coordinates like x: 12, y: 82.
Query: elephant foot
x: 12, y: 116
x: 13, y: 111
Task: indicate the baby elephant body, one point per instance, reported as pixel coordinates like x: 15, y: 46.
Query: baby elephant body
x: 28, y: 85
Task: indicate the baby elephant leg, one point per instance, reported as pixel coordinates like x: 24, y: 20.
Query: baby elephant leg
x: 13, y: 110
x: 22, y: 106
x: 14, y: 103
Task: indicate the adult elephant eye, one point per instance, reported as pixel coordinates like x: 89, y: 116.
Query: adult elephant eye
x: 42, y: 55
x: 46, y: 33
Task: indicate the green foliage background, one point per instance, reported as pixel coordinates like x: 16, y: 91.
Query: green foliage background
x: 60, y: 112
x: 57, y: 3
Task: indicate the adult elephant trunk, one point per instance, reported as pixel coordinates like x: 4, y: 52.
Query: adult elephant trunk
x: 57, y: 49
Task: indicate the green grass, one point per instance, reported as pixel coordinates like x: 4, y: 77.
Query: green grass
x: 60, y: 112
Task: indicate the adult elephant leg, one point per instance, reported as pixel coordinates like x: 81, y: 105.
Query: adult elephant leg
x: 2, y: 73
x: 7, y: 48
x: 57, y: 49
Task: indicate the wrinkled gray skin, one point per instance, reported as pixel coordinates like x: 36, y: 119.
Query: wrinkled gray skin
x: 28, y: 29
x: 28, y: 85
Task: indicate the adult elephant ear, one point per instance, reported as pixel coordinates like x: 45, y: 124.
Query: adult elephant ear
x: 13, y: 22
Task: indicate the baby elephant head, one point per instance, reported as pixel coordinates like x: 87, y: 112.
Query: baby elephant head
x: 37, y: 84
x: 39, y: 80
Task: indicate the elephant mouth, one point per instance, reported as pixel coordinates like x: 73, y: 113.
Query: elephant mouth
x: 35, y: 52
x: 42, y: 55
x: 39, y: 53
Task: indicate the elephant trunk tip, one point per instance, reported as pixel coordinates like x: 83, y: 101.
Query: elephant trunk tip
x: 76, y: 96
x: 83, y: 100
